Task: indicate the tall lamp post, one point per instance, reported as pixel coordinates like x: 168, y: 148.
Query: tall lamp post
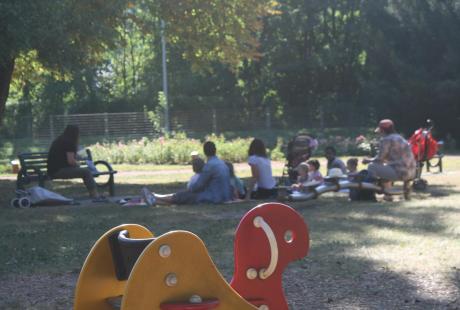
x: 165, y: 76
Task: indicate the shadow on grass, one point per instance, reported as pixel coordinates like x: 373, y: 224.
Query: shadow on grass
x: 336, y: 274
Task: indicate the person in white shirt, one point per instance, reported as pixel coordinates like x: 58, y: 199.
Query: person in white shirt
x: 262, y: 185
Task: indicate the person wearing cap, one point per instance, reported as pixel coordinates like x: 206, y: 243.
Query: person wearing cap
x: 194, y: 155
x: 197, y: 167
x: 394, y: 160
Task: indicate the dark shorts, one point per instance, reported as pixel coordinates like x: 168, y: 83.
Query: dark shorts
x: 263, y: 193
x: 185, y: 198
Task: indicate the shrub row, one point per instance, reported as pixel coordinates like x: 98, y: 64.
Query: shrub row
x: 176, y: 149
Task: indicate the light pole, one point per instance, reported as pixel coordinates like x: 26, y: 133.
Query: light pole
x: 165, y: 75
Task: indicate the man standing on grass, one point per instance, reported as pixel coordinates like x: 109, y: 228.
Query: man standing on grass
x: 212, y: 186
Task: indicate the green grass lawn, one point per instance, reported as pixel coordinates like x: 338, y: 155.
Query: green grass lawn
x: 401, y: 255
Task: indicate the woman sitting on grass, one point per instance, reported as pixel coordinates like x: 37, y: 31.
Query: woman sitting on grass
x: 262, y: 184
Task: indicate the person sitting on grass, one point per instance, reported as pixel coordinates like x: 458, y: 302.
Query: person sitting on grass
x: 238, y: 188
x: 197, y: 166
x: 302, y: 177
x: 357, y: 194
x: 314, y: 175
x: 333, y: 161
x: 302, y: 169
x: 62, y: 161
x: 394, y: 161
x: 352, y: 166
x: 262, y: 185
x: 309, y: 174
x: 212, y: 186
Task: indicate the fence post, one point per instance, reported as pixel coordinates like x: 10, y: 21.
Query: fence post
x: 321, y: 117
x: 214, y: 120
x: 268, y: 117
x: 51, y: 127
x: 106, y: 125
x: 30, y: 131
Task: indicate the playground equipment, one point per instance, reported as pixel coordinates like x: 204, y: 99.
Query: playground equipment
x: 130, y: 269
x: 425, y: 148
x: 336, y: 184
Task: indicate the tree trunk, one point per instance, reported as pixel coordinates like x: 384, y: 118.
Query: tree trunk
x: 6, y: 73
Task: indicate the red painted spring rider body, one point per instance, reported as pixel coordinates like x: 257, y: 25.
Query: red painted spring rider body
x: 267, y: 239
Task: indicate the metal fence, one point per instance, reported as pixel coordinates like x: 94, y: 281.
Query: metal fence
x: 108, y: 125
x: 228, y: 119
x: 193, y: 121
x: 263, y: 122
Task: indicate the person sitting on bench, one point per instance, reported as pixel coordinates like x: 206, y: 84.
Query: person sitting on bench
x: 394, y: 161
x: 62, y: 160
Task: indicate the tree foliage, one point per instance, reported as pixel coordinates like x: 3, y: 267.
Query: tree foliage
x: 316, y: 62
x: 73, y: 36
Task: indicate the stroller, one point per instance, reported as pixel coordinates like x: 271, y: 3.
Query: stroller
x: 298, y: 150
x: 424, y: 147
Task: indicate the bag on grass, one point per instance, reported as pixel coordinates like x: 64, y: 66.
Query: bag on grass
x: 43, y: 197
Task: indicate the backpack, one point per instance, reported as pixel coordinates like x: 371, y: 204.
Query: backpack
x: 423, y: 145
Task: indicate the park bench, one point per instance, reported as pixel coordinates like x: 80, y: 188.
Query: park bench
x: 34, y: 169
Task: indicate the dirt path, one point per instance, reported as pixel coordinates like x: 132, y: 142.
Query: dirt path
x: 238, y: 167
x: 304, y: 289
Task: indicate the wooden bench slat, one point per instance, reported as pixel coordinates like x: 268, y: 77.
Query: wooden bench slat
x: 41, y: 165
x: 32, y: 156
x: 35, y: 160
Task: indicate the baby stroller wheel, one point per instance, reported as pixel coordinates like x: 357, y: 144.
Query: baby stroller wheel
x: 24, y: 202
x: 14, y: 203
x: 420, y: 185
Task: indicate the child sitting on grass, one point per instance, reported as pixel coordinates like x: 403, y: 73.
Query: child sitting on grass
x: 197, y: 166
x: 308, y: 172
x: 352, y: 166
x: 313, y: 171
x: 238, y: 188
x: 354, y: 175
x: 302, y: 173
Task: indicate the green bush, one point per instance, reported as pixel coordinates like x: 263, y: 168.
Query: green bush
x: 167, y: 150
x: 176, y: 149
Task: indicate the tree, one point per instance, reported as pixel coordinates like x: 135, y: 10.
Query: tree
x: 70, y: 33
x: 64, y: 34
